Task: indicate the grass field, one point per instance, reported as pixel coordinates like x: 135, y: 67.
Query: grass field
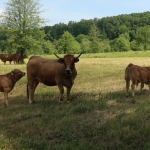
x: 99, y: 116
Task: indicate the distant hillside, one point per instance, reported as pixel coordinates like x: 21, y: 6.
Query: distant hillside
x: 110, y: 26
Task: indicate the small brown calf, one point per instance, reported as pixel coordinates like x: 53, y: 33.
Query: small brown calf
x: 8, y: 81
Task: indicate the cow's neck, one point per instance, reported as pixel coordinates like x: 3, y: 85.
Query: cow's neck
x: 13, y: 79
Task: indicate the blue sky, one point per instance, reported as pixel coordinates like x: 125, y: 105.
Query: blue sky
x: 63, y: 11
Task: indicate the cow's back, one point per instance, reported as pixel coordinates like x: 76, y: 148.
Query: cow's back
x: 38, y: 64
x: 141, y: 74
x: 47, y: 71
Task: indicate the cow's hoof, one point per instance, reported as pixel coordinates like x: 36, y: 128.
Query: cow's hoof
x: 32, y: 102
x: 60, y: 101
x: 127, y: 96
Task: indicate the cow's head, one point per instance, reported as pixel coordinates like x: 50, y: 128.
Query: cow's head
x: 68, y: 61
x: 25, y: 56
x: 18, y: 74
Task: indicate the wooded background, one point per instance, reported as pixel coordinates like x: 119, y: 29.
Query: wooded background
x: 22, y: 30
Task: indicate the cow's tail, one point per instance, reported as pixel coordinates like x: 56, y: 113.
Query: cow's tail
x: 127, y: 72
x: 127, y: 77
x: 27, y: 92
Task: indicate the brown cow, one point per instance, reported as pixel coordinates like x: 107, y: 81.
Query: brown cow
x: 19, y: 58
x: 8, y: 57
x: 8, y: 81
x: 16, y: 58
x: 51, y: 72
x: 136, y: 74
x: 1, y: 56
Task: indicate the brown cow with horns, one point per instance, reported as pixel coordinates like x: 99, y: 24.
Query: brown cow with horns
x: 51, y: 72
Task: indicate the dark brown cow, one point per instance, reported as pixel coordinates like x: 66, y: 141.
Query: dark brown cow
x: 8, y: 57
x: 19, y: 58
x: 136, y: 74
x: 8, y: 81
x: 16, y: 58
x: 1, y: 56
x: 51, y: 72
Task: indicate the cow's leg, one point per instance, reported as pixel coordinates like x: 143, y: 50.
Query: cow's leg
x: 149, y: 87
x: 68, y: 93
x: 31, y: 89
x: 61, y: 90
x: 6, y: 98
x: 142, y: 85
x: 133, y: 88
x: 127, y: 87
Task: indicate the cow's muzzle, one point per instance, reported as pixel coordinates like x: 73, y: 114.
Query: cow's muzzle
x: 68, y: 72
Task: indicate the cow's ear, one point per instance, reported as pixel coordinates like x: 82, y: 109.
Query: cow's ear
x: 12, y: 73
x: 61, y: 60
x: 76, y: 59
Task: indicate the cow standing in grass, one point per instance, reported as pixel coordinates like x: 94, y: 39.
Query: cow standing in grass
x: 136, y: 74
x: 16, y: 58
x: 8, y: 81
x: 51, y: 72
x: 8, y: 57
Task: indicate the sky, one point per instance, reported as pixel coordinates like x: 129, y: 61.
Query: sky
x: 63, y: 11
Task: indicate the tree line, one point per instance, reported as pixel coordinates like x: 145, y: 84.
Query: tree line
x: 22, y: 30
x: 109, y: 34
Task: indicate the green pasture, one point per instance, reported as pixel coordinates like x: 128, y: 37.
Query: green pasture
x: 99, y: 116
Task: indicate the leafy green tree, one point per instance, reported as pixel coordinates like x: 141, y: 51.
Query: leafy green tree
x: 120, y: 44
x: 82, y: 27
x: 81, y: 37
x: 123, y: 43
x: 105, y: 46
x: 95, y: 38
x: 68, y: 44
x: 22, y: 27
x: 143, y: 36
x: 135, y: 46
x: 123, y: 29
x: 85, y: 45
x: 114, y: 45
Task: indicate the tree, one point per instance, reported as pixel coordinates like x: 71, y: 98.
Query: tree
x: 68, y: 44
x: 81, y: 37
x: 135, y: 46
x: 120, y: 44
x: 95, y: 38
x: 22, y: 26
x: 143, y: 36
x: 123, y: 29
x: 85, y: 45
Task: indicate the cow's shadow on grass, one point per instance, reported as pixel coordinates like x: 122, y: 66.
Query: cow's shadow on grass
x: 53, y: 97
x: 79, y: 97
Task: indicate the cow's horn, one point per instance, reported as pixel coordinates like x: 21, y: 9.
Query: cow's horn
x: 56, y: 55
x: 79, y: 55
